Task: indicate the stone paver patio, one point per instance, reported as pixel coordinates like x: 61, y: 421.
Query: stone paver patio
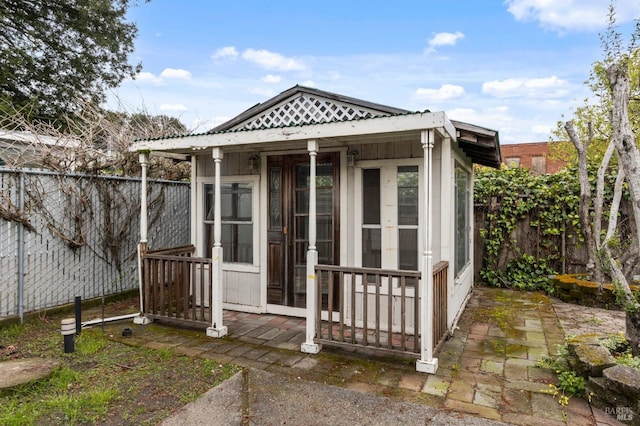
x: 487, y: 368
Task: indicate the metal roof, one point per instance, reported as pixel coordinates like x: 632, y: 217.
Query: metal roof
x: 480, y: 144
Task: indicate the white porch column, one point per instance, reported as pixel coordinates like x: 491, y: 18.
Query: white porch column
x: 309, y: 346
x: 217, y: 329
x: 142, y: 246
x: 427, y: 363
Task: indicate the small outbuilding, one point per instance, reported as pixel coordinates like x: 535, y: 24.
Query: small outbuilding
x: 355, y: 215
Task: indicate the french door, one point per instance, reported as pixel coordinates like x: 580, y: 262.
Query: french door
x: 288, y: 223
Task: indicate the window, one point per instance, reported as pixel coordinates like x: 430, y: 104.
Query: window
x: 538, y: 165
x: 408, y: 218
x: 462, y: 225
x: 512, y: 162
x: 237, y: 221
x: 390, y: 214
x: 371, y: 227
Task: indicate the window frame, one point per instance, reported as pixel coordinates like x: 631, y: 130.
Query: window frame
x: 254, y: 181
x: 389, y: 218
x: 460, y: 268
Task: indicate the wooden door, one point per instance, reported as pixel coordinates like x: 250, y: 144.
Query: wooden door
x: 288, y: 223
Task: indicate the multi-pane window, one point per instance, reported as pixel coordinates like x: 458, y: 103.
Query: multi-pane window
x: 392, y: 206
x: 462, y: 220
x: 237, y: 221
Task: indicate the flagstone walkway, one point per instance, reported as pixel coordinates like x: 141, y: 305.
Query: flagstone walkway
x: 486, y: 369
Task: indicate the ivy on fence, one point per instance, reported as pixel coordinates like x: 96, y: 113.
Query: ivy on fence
x: 512, y: 200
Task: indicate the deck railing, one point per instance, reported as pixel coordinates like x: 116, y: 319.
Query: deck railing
x: 176, y: 286
x: 376, y: 308
x: 440, y: 312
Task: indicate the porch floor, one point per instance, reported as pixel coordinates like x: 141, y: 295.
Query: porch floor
x: 487, y: 369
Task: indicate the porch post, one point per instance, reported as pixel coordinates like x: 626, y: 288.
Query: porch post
x: 427, y: 363
x: 142, y: 246
x: 217, y: 329
x: 309, y: 346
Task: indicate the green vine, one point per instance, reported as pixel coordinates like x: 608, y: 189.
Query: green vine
x: 544, y: 208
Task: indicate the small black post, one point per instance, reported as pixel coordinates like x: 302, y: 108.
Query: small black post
x: 78, y: 301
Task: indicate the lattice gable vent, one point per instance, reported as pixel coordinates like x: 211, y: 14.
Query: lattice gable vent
x: 307, y: 109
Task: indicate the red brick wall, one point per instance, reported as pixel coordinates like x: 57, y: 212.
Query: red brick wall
x: 526, y: 152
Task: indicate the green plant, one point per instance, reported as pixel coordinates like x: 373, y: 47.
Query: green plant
x: 570, y: 383
x: 629, y: 360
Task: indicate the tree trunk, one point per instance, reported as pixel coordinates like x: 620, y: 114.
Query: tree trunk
x: 585, y: 199
x: 625, y: 142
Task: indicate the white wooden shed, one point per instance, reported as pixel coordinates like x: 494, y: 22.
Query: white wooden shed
x: 355, y: 215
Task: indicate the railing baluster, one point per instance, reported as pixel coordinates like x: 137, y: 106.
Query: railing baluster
x: 162, y: 282
x: 353, y: 308
x: 365, y: 308
x: 416, y: 315
x: 377, y: 283
x: 318, y: 290
x: 330, y: 305
x: 403, y: 300
x: 390, y: 311
x: 341, y: 284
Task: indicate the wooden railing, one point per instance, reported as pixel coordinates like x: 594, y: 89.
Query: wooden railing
x: 368, y: 307
x: 176, y: 287
x: 440, y: 313
x: 376, y: 308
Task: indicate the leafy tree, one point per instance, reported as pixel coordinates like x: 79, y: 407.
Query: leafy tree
x: 605, y: 138
x: 56, y: 52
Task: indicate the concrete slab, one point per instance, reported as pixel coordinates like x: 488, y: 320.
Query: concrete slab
x: 19, y: 371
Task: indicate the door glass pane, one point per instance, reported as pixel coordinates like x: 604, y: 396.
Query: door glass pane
x: 302, y: 176
x: 408, y: 249
x: 325, y: 253
x: 275, y: 197
x: 371, y: 196
x: 408, y: 195
x: 324, y: 228
x: 324, y: 175
x: 302, y: 201
x: 371, y: 252
x: 302, y: 227
x: 301, y: 252
x: 324, y: 200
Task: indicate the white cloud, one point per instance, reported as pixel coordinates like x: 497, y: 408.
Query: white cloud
x: 543, y: 129
x: 571, y: 15
x: 175, y: 73
x: 173, y: 107
x: 308, y: 83
x: 445, y: 92
x: 228, y: 52
x: 271, y: 79
x: 548, y: 87
x: 272, y: 61
x: 262, y: 91
x: 443, y: 39
x: 147, y: 77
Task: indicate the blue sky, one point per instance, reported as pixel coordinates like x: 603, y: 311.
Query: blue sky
x: 516, y: 66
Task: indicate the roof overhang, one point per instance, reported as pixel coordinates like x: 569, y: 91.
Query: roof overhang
x: 240, y: 140
x: 482, y: 145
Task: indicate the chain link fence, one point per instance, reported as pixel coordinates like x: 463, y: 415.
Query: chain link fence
x: 63, y: 236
